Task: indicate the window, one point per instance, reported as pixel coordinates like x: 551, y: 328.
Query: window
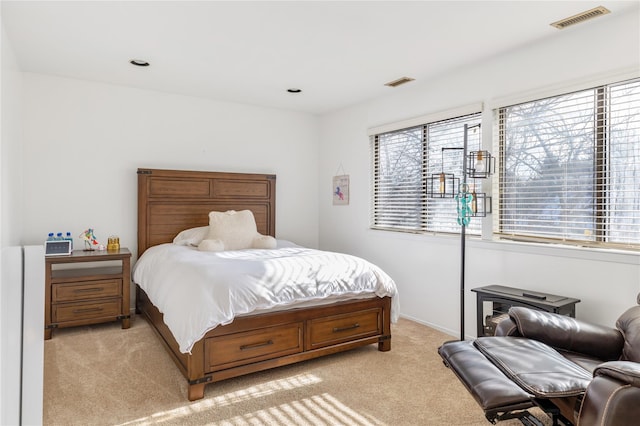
x: 402, y: 161
x: 570, y: 167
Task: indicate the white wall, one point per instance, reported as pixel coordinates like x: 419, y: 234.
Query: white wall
x: 84, y: 141
x: 10, y: 228
x: 426, y: 268
x: 11, y: 147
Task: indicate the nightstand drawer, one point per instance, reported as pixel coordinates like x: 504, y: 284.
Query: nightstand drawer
x: 83, y: 311
x: 253, y: 346
x: 85, y: 290
x: 337, y: 328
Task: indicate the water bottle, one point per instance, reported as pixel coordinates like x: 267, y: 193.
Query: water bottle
x: 59, y: 236
x: 70, y: 238
x: 50, y: 237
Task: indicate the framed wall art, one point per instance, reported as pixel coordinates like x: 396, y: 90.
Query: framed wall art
x: 341, y: 190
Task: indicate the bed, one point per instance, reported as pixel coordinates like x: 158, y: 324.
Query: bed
x: 171, y: 201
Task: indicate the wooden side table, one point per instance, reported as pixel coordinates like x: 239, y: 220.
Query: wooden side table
x: 502, y: 298
x: 87, y: 291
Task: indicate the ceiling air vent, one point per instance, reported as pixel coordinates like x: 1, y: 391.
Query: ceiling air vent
x: 398, y: 82
x: 580, y: 17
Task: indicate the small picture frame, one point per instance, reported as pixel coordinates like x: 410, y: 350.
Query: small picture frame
x: 341, y: 190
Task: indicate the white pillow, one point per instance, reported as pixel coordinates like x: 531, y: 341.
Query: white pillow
x: 191, y: 236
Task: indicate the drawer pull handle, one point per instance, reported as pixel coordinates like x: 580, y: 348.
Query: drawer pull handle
x: 88, y: 290
x: 256, y: 345
x: 85, y: 310
x: 350, y: 327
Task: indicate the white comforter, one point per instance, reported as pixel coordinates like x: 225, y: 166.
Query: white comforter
x: 197, y: 291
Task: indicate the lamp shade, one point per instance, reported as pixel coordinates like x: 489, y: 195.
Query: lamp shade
x: 480, y: 204
x: 442, y: 185
x: 480, y: 164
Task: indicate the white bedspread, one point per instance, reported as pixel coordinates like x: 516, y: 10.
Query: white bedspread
x: 197, y: 291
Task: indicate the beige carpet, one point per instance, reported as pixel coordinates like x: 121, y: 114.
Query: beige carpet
x: 103, y: 375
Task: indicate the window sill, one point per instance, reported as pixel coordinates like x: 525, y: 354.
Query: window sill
x: 542, y: 249
x: 559, y: 250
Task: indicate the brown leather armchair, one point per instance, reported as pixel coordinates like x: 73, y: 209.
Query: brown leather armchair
x: 578, y: 373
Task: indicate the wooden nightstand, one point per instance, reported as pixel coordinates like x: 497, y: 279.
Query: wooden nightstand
x: 87, y: 294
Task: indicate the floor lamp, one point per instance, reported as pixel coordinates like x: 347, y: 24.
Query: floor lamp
x: 475, y: 165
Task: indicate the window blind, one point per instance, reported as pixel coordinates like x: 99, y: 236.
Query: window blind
x: 621, y: 186
x: 399, y: 180
x: 445, y: 141
x: 570, y: 167
x: 403, y: 160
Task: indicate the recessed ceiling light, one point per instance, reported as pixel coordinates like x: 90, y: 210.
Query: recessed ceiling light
x: 294, y: 90
x: 139, y: 62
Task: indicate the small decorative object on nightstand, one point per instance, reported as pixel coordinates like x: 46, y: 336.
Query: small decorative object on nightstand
x: 87, y: 295
x: 89, y: 239
x: 113, y: 243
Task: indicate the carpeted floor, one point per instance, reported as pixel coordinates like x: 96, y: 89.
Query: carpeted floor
x: 103, y: 375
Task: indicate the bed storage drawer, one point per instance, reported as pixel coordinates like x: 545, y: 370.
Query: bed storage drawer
x: 85, y: 290
x: 335, y: 329
x: 252, y: 346
x: 83, y: 311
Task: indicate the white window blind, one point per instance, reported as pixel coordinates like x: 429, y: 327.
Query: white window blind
x: 402, y: 162
x: 621, y: 186
x: 570, y: 167
x: 445, y: 140
x: 398, y: 180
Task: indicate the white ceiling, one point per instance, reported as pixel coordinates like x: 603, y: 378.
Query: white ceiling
x: 338, y: 52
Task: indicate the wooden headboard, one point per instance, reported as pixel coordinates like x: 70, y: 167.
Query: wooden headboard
x: 170, y: 201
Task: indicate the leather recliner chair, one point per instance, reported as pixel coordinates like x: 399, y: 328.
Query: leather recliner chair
x: 578, y: 373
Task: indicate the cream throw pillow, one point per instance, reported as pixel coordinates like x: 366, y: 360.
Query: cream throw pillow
x: 234, y: 230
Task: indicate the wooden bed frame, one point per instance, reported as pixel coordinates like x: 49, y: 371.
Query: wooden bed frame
x: 170, y: 201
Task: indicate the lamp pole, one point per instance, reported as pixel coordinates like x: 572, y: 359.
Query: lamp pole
x: 463, y: 231
x: 466, y: 203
